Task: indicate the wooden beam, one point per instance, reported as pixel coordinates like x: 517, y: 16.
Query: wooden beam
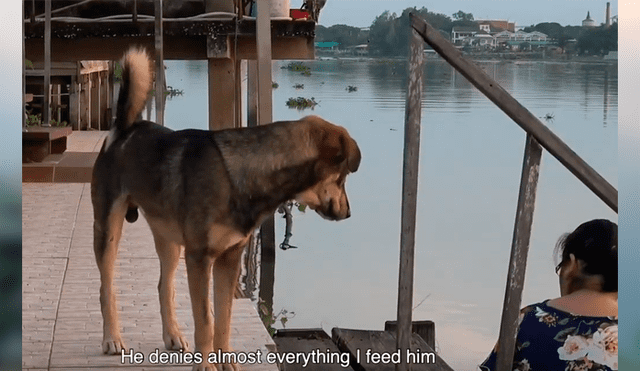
x: 519, y: 251
x: 413, y: 110
x: 175, y: 48
x: 523, y: 117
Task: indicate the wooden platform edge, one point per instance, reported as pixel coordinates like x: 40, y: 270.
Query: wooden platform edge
x: 317, y: 345
x: 376, y: 351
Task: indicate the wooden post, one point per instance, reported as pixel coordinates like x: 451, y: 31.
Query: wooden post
x: 94, y: 77
x: 263, y: 41
x: 135, y: 11
x: 530, y: 123
x: 159, y: 64
x: 74, y: 97
x: 221, y: 93
x: 409, y: 195
x: 252, y: 93
x: 46, y: 107
x: 24, y: 78
x: 267, y: 230
x: 237, y: 92
x: 519, y: 251
x: 104, y: 99
x: 85, y: 102
x: 222, y: 72
x: 57, y: 101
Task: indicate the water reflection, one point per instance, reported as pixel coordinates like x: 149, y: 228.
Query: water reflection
x: 345, y: 274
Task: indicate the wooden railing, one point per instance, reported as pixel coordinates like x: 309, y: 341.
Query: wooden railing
x: 539, y: 137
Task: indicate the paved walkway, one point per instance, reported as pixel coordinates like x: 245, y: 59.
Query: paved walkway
x: 61, y: 320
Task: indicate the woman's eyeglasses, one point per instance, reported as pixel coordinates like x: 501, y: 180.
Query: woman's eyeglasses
x: 558, y: 268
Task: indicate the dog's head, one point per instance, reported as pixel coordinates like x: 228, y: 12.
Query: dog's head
x: 338, y: 155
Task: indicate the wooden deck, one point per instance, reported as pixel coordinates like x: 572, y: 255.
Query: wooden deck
x: 61, y: 320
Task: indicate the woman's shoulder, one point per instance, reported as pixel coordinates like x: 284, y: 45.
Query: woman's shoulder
x: 549, y: 338
x: 574, y: 340
x: 544, y: 308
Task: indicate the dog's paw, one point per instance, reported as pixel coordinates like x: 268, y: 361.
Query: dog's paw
x: 113, y: 346
x: 228, y: 367
x: 175, y: 341
x: 204, y: 366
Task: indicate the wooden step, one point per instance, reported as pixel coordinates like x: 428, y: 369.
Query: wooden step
x: 69, y: 167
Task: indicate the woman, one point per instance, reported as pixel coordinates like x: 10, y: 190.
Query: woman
x: 578, y: 330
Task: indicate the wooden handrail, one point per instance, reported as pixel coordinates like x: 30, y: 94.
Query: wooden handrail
x: 538, y: 137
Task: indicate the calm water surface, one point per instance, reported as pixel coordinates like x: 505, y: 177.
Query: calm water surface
x: 345, y: 274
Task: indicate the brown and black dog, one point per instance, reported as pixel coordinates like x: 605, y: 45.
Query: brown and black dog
x: 206, y: 191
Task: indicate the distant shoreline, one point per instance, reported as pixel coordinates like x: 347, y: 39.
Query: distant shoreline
x: 493, y: 57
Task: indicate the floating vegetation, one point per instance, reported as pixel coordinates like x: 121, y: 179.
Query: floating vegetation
x: 296, y: 67
x: 299, y: 86
x: 549, y: 117
x: 351, y: 89
x: 302, y: 103
x: 274, y: 85
x: 269, y: 318
x: 306, y: 73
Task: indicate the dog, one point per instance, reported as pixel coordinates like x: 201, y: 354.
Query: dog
x: 206, y: 192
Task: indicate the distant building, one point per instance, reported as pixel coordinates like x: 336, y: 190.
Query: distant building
x: 327, y: 45
x: 461, y: 34
x: 487, y: 35
x: 362, y: 49
x: 588, y: 22
x: 496, y: 25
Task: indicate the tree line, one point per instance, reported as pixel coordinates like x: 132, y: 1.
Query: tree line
x: 389, y: 33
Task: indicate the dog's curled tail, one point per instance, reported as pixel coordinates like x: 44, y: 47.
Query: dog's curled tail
x: 137, y: 77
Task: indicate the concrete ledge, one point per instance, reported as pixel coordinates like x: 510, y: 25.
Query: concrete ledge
x: 71, y: 167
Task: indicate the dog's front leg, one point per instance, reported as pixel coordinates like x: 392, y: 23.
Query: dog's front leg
x: 169, y: 254
x: 226, y: 269
x: 199, y: 276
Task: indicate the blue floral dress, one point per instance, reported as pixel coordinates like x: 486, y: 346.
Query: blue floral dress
x: 550, y: 339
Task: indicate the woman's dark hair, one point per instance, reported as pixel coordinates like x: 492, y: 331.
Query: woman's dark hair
x: 596, y: 244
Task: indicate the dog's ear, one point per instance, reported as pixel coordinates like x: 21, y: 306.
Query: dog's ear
x: 336, y: 146
x: 350, y: 147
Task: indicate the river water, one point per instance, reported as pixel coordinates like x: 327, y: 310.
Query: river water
x: 345, y: 274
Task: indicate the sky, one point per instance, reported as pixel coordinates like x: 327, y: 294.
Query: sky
x: 361, y: 13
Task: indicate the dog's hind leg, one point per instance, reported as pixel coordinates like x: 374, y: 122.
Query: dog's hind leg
x: 107, y: 229
x: 199, y: 276
x: 226, y: 270
x: 169, y: 254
